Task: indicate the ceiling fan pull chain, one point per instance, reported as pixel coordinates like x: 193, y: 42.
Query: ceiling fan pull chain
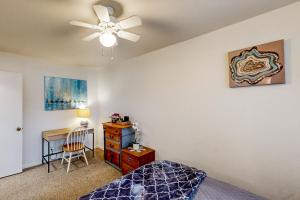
x: 112, y: 53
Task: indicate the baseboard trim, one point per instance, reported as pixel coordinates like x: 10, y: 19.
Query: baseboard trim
x: 99, y: 147
x: 30, y: 165
x: 36, y: 163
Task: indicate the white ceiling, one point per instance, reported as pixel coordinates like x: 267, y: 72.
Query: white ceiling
x: 40, y: 28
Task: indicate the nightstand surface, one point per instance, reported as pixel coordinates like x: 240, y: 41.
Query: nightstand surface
x: 138, y: 154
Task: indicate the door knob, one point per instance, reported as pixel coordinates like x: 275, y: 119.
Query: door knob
x: 19, y: 129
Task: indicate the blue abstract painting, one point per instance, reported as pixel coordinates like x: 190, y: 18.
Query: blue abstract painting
x: 64, y: 93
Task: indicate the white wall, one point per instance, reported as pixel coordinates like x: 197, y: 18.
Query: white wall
x: 35, y: 119
x: 249, y: 137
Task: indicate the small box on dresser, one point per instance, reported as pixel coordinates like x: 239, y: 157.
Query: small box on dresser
x: 132, y: 160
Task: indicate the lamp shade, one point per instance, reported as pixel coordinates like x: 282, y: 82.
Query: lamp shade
x: 83, y: 113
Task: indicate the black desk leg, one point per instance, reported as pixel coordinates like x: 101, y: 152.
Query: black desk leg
x: 48, y: 156
x: 42, y: 150
x: 93, y: 144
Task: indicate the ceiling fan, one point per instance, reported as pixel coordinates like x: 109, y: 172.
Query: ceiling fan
x: 109, y: 27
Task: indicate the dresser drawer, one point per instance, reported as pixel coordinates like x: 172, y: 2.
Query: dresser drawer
x: 113, y: 130
x: 112, y: 157
x: 112, y: 136
x: 112, y: 145
x: 130, y: 160
x: 126, y: 168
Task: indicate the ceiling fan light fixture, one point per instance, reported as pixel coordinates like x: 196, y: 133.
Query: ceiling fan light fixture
x: 108, y: 39
x: 109, y: 28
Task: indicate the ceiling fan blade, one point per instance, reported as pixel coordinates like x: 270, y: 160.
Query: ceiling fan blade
x: 128, y: 36
x: 83, y: 24
x: 92, y: 36
x: 131, y: 22
x: 102, y: 13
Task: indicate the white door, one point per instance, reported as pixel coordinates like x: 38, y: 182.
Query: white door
x: 10, y: 123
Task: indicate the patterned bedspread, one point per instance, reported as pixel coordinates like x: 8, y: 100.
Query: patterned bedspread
x: 159, y: 180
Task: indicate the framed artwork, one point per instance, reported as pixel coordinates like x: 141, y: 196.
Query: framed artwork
x: 258, y: 65
x: 64, y: 93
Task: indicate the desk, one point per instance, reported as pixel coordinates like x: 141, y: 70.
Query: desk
x: 59, y: 134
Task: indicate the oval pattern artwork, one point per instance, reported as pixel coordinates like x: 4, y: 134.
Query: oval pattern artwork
x: 252, y: 66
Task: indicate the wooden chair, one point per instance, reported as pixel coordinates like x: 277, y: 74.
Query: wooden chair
x: 75, y: 145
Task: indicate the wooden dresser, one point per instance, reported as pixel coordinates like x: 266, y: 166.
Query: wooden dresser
x: 116, y: 137
x: 132, y: 160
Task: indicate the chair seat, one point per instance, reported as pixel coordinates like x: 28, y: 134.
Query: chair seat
x: 73, y: 147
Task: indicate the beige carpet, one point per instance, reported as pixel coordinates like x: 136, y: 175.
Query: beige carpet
x: 37, y: 184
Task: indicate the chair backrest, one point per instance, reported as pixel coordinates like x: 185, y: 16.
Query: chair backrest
x: 76, y: 138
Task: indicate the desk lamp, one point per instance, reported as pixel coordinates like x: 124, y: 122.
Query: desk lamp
x: 84, y: 114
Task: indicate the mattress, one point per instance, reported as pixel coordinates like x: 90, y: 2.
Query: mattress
x: 212, y: 189
x: 159, y: 180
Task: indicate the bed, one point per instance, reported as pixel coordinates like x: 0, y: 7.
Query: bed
x: 212, y: 189
x: 164, y: 180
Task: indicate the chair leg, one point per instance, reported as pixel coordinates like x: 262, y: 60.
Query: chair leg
x: 69, y: 162
x: 85, y: 158
x: 63, y: 157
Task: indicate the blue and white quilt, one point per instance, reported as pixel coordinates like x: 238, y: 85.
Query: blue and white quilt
x: 159, y: 180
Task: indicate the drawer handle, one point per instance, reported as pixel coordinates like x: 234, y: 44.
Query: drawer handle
x: 129, y: 159
x: 111, y: 145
